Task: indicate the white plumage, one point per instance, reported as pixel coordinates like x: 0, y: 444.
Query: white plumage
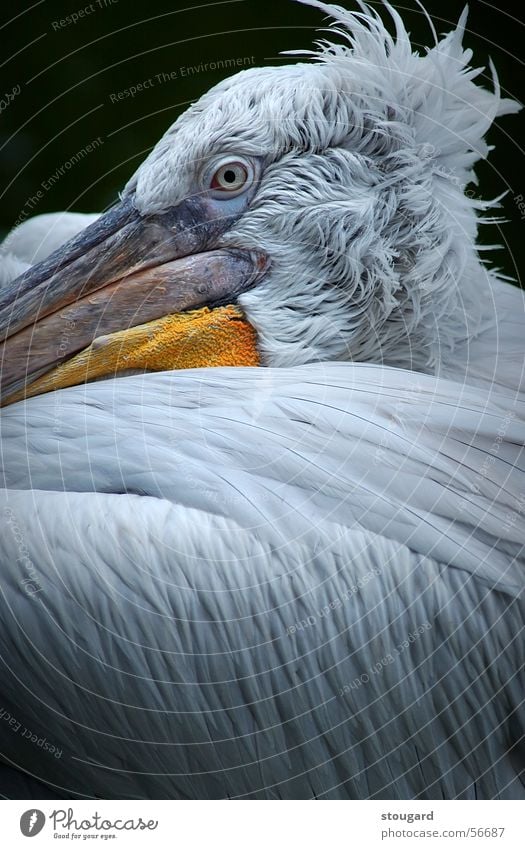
x: 303, y: 580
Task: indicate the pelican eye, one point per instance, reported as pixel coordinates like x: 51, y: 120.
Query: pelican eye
x: 231, y: 177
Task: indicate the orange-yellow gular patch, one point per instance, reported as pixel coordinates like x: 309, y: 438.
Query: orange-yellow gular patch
x: 204, y: 337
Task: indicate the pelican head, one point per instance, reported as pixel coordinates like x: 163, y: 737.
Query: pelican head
x: 325, y: 200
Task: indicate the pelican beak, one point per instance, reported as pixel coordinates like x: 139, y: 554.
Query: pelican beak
x: 123, y: 271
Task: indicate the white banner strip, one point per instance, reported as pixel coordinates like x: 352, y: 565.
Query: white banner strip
x: 263, y: 825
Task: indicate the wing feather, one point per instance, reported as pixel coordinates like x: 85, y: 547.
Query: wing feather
x: 264, y: 584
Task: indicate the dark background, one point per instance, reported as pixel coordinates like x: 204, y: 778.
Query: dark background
x: 66, y: 76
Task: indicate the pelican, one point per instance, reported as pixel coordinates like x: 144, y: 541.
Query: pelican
x: 262, y: 521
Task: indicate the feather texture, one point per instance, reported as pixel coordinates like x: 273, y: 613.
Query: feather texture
x: 266, y: 584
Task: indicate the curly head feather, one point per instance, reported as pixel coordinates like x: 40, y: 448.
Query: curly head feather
x: 361, y: 205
